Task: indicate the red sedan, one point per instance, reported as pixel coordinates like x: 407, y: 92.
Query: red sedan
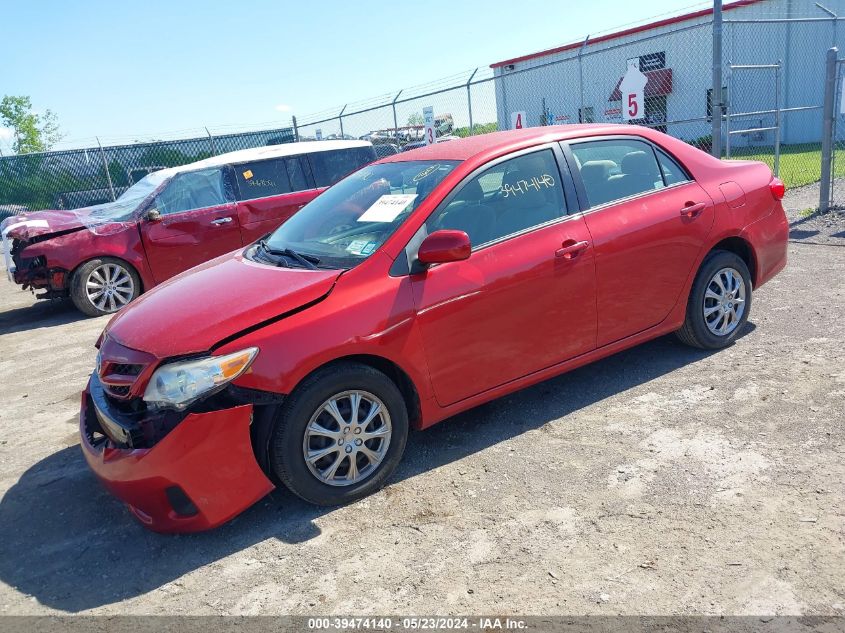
x: 418, y: 287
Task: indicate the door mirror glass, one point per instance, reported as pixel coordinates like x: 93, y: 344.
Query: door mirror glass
x: 153, y: 215
x: 444, y: 246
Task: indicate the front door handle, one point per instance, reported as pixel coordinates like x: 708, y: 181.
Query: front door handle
x: 693, y: 209
x: 571, y: 249
x: 225, y: 220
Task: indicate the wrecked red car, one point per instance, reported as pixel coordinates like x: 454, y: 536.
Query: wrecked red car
x: 104, y: 256
x: 416, y: 288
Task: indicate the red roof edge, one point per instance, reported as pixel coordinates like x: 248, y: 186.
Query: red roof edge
x: 636, y: 29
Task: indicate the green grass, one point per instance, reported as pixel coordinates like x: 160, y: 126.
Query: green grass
x: 799, y: 164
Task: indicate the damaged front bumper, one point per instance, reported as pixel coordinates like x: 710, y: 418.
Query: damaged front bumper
x: 202, y: 473
x: 32, y: 273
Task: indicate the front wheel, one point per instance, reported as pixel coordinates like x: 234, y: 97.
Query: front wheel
x: 340, y: 435
x: 103, y: 286
x: 719, y: 302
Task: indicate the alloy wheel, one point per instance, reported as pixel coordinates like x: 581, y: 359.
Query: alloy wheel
x: 109, y: 287
x: 724, y: 301
x: 347, y: 438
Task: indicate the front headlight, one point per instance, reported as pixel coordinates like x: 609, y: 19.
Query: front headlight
x: 179, y: 384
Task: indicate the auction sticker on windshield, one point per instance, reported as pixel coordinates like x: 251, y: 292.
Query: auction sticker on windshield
x: 386, y: 208
x: 361, y: 247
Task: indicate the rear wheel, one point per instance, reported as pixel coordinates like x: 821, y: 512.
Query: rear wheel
x: 103, y: 286
x: 340, y: 435
x: 719, y: 302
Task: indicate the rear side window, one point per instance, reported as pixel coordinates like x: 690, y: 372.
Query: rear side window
x: 673, y: 173
x: 296, y: 173
x: 616, y: 169
x: 329, y: 167
x: 510, y: 197
x: 260, y: 179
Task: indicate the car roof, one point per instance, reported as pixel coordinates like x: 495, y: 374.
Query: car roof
x: 276, y: 151
x: 263, y: 153
x: 511, y: 140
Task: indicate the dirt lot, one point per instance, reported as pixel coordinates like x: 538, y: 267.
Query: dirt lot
x: 660, y: 481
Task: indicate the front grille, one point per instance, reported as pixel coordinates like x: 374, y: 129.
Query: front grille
x: 125, y: 369
x: 119, y: 378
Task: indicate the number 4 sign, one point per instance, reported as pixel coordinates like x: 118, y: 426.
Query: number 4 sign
x: 632, y: 88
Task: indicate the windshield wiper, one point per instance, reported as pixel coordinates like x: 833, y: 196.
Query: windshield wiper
x: 308, y: 261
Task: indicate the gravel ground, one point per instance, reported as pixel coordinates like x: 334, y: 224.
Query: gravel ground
x: 809, y: 226
x: 663, y: 480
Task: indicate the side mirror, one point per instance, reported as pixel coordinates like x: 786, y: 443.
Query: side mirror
x: 444, y: 246
x: 153, y: 215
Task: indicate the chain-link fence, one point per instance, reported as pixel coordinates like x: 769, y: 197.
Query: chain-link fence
x: 832, y: 184
x: 774, y: 86
x: 837, y: 169
x: 75, y: 178
x: 770, y: 105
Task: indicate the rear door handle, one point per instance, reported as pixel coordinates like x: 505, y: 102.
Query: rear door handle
x: 222, y: 220
x: 693, y: 209
x: 571, y: 249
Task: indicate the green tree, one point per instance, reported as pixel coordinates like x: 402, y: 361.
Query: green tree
x: 33, y: 132
x: 415, y: 118
x: 478, y: 128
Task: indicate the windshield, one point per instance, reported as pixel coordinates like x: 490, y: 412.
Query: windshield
x: 144, y: 187
x: 351, y: 220
x: 122, y: 209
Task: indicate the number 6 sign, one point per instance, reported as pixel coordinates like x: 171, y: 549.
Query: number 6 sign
x: 632, y: 88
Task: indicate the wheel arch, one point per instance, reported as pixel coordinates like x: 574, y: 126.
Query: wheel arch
x: 392, y: 370
x: 743, y: 249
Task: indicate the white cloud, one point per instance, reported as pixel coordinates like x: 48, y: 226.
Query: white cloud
x: 6, y: 133
x: 283, y: 107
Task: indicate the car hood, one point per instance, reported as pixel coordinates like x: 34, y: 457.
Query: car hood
x: 99, y: 218
x: 195, y: 310
x: 29, y: 225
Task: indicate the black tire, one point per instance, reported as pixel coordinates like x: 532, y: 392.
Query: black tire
x: 695, y: 331
x: 79, y: 280
x: 287, y: 458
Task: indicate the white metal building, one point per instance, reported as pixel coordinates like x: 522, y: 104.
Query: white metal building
x: 579, y: 82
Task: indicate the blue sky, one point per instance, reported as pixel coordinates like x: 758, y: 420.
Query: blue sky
x: 135, y: 70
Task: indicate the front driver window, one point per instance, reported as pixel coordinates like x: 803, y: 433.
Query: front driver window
x: 510, y: 197
x: 194, y: 190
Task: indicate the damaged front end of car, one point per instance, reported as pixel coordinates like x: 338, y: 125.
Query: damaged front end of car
x: 177, y: 468
x: 27, y: 264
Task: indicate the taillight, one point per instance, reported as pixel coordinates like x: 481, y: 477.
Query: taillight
x: 778, y: 188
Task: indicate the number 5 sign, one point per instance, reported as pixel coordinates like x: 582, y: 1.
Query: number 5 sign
x: 632, y: 88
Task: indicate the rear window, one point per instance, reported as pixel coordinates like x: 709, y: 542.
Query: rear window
x: 329, y: 167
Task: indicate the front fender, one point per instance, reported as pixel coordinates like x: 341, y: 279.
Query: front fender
x: 69, y: 251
